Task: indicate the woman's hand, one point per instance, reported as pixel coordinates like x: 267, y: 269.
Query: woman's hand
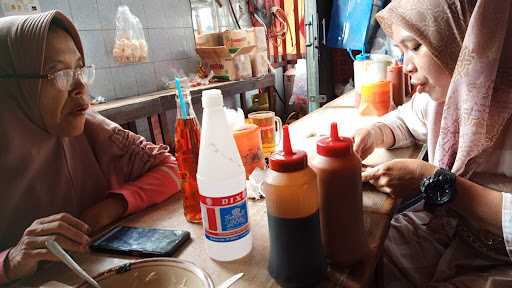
x: 378, y: 135
x: 364, y: 142
x: 105, y: 212
x: 400, y: 177
x: 63, y: 228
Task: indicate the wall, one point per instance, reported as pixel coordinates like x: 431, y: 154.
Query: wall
x: 225, y: 19
x: 168, y: 31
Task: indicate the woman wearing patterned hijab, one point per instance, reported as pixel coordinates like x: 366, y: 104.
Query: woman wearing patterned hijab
x: 65, y: 171
x: 459, y: 55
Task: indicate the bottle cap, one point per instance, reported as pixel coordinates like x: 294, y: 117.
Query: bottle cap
x: 363, y: 56
x: 288, y: 160
x: 212, y: 98
x: 334, y: 145
x: 395, y: 67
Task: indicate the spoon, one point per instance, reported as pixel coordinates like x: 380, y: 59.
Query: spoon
x: 55, y: 248
x: 231, y: 280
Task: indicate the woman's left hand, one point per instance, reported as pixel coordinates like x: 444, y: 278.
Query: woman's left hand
x: 105, y: 212
x: 400, y: 178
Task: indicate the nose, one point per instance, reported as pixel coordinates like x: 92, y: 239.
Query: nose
x: 78, y: 88
x: 409, y: 65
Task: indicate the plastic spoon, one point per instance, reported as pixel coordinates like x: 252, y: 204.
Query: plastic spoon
x: 55, y: 248
x: 231, y: 281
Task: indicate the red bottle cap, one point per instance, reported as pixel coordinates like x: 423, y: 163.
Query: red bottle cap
x: 395, y: 67
x: 334, y: 146
x: 288, y: 160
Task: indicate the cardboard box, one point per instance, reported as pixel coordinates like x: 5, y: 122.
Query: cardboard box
x: 226, y: 65
x: 235, y: 39
x: 256, y: 36
x: 209, y: 40
x: 259, y: 63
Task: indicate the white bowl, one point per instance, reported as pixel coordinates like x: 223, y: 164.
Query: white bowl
x: 154, y: 273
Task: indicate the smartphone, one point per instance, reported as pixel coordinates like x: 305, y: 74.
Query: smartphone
x: 141, y: 242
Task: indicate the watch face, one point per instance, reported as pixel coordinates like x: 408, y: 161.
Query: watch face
x: 440, y: 195
x: 440, y: 190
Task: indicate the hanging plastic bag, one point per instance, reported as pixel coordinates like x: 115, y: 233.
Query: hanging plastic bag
x: 130, y: 44
x: 299, y: 97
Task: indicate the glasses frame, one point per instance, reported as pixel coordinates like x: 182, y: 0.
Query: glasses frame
x: 49, y: 76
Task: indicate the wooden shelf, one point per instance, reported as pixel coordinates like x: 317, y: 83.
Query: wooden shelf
x: 131, y: 108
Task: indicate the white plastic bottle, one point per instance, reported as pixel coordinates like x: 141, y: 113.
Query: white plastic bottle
x: 221, y: 182
x: 362, y: 66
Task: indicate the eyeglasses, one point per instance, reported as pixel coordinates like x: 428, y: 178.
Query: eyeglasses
x: 63, y: 78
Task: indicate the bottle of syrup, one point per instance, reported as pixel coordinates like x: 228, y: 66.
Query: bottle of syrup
x: 341, y: 202
x: 296, y: 254
x: 186, y: 138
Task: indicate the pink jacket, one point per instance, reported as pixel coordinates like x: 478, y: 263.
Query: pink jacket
x: 153, y: 187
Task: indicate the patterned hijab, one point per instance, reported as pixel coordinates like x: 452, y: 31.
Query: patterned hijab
x: 42, y: 174
x: 472, y: 40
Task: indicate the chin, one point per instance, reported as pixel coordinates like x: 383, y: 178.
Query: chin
x: 436, y: 96
x: 75, y: 132
x: 73, y: 129
x: 435, y: 99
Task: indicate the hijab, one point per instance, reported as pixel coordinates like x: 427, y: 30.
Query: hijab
x: 43, y: 174
x: 472, y: 40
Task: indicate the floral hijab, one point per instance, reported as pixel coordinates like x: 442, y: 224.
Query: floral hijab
x: 42, y: 174
x: 473, y: 40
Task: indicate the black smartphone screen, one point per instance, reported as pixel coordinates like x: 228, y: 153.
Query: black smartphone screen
x: 136, y: 241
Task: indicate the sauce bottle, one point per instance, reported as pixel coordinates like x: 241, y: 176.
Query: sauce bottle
x: 296, y: 254
x: 395, y: 75
x: 341, y: 203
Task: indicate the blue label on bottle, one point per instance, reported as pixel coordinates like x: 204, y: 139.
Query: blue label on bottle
x: 225, y: 219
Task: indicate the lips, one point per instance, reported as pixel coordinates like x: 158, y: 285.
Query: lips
x: 417, y: 82
x: 79, y: 109
x: 420, y: 85
x: 420, y: 88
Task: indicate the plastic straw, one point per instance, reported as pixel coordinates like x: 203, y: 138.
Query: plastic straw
x: 184, y: 111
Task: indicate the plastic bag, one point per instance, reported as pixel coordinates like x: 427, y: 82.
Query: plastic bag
x: 236, y: 118
x: 130, y: 44
x: 299, y: 97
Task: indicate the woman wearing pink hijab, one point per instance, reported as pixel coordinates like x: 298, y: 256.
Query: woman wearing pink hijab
x: 65, y: 171
x: 459, y: 55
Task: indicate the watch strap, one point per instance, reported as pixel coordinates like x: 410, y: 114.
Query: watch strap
x: 442, y: 179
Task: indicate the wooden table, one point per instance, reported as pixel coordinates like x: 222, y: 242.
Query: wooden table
x: 378, y: 210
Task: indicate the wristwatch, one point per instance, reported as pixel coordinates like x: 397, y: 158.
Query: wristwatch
x: 439, y: 189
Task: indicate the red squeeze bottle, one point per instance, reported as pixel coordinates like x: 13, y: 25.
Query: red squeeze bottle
x: 296, y: 256
x: 407, y: 85
x: 341, y: 202
x: 395, y: 75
